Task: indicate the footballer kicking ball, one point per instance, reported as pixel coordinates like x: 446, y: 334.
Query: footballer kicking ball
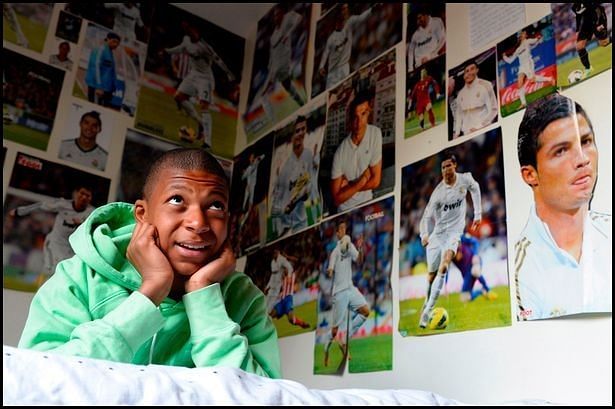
x: 438, y: 318
x: 575, y: 76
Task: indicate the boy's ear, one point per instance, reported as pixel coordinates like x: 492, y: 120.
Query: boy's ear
x: 141, y: 210
x: 529, y: 175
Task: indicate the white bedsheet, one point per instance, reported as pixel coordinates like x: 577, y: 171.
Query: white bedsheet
x: 32, y: 377
x: 38, y: 378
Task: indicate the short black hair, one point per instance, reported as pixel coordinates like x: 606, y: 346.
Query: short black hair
x: 300, y: 118
x: 538, y: 115
x: 470, y: 62
x: 113, y: 36
x: 449, y: 154
x: 185, y: 159
x: 360, y: 97
x: 92, y: 114
x: 340, y: 221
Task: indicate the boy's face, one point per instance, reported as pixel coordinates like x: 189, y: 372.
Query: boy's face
x: 189, y: 210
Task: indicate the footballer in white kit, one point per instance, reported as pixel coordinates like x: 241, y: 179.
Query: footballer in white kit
x: 447, y: 207
x: 526, y: 64
x: 338, y: 48
x: 426, y: 41
x: 346, y: 298
x: 70, y: 214
x: 249, y: 174
x: 199, y: 82
x: 477, y: 106
x: 126, y: 17
x: 446, y: 211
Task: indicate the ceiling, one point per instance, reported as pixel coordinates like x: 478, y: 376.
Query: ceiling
x: 238, y: 18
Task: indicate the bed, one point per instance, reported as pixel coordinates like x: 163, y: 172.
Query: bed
x: 42, y: 378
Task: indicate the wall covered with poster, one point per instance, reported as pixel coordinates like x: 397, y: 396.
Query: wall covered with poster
x: 367, y: 115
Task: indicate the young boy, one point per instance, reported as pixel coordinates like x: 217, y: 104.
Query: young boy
x: 155, y: 282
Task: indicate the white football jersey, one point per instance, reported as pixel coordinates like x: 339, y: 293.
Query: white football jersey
x: 125, y: 19
x: 426, y: 42
x: 95, y: 157
x: 447, y: 206
x: 66, y: 64
x: 341, y: 264
x: 550, y: 282
x: 280, y: 41
x: 339, y: 44
x: 477, y: 106
x: 524, y: 54
x: 67, y: 219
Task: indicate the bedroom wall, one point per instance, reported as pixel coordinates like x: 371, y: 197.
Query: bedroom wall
x: 564, y: 360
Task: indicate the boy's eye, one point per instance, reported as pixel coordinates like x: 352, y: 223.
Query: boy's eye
x: 218, y: 205
x: 176, y: 199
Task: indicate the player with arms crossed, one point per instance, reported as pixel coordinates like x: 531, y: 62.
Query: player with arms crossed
x: 344, y: 293
x: 447, y: 208
x: 523, y: 52
x: 357, y: 163
x: 199, y: 83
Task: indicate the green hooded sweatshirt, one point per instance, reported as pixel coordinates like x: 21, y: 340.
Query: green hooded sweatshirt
x: 91, y: 307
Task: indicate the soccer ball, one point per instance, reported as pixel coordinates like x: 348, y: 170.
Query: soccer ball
x: 575, y: 76
x: 186, y: 134
x: 438, y: 318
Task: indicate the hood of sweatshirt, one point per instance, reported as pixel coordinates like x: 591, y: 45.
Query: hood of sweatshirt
x: 101, y: 242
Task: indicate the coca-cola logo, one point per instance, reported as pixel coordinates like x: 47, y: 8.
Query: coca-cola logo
x: 29, y: 162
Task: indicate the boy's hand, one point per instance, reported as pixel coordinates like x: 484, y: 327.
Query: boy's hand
x: 145, y: 255
x: 213, y: 272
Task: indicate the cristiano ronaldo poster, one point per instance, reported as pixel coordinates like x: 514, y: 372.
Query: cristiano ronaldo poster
x: 45, y: 203
x: 355, y: 307
x: 453, y: 273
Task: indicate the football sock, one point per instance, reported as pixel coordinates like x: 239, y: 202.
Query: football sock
x: 522, y: 95
x: 584, y: 57
x: 206, y: 124
x: 438, y: 283
x: 475, y: 293
x: 542, y: 78
x: 357, y: 321
x: 429, y: 284
x: 189, y: 109
x: 432, y: 119
x: 482, y: 280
